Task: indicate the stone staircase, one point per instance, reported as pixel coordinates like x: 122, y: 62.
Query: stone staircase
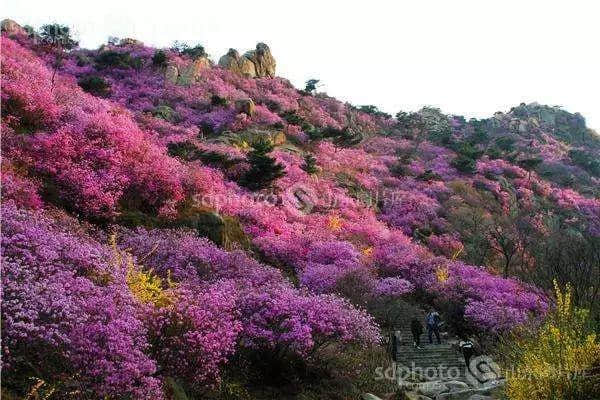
x: 436, y: 371
x: 434, y: 361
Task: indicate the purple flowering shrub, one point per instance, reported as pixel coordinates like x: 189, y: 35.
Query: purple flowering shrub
x: 192, y: 338
x: 67, y: 314
x: 272, y: 313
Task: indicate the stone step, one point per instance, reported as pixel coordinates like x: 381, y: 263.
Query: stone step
x: 429, y: 354
x: 433, y: 360
x: 425, y: 350
x: 408, y: 362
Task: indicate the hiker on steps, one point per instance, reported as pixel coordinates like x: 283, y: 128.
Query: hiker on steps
x: 467, y: 348
x: 416, y: 329
x: 433, y: 325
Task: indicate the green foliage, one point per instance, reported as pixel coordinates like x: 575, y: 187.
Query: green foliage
x: 311, y: 85
x: 436, y: 124
x: 530, y: 164
x: 96, y: 85
x: 310, y: 164
x: 218, y: 160
x: 225, y: 231
x: 410, y: 123
x: 115, y: 59
x: 230, y: 390
x: 479, y: 134
x: 83, y: 60
x: 493, y: 153
x: 373, y: 110
x: 159, y: 59
x: 354, y: 188
x: 585, y: 160
x: 57, y: 35
x: 186, y: 151
x: 292, y: 118
x: 338, y: 372
x: 218, y: 101
x: 505, y: 143
x: 467, y: 150
x: 193, y: 52
x: 429, y: 175
x: 345, y: 137
x: 174, y: 389
x: 165, y: 112
x: 264, y: 170
x: 464, y: 164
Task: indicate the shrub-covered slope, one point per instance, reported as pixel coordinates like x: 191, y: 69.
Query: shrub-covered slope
x: 112, y: 174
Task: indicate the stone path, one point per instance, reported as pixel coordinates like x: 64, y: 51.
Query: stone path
x: 441, y: 359
x: 436, y: 371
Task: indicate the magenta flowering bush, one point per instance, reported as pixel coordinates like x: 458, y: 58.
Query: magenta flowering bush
x: 19, y: 189
x: 283, y: 319
x: 393, y: 287
x: 192, y: 338
x: 95, y: 154
x: 271, y: 312
x: 409, y: 211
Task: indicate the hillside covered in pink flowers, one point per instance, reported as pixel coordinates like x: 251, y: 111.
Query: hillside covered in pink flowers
x: 205, y: 234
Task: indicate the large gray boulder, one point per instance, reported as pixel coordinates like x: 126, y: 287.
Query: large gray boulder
x: 432, y: 389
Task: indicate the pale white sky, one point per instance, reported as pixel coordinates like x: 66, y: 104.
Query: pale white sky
x: 466, y: 57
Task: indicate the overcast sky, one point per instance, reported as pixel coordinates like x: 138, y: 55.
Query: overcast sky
x: 466, y: 57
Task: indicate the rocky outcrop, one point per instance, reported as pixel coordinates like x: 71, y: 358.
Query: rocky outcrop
x: 12, y: 28
x: 188, y: 74
x: 171, y: 73
x: 192, y: 72
x: 237, y: 64
x: 245, y: 106
x: 130, y: 42
x: 257, y: 63
x: 263, y: 60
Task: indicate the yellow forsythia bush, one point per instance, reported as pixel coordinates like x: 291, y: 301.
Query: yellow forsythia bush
x: 144, y: 285
x: 555, y: 362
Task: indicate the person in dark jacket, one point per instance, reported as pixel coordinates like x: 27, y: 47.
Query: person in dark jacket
x: 416, y: 329
x: 393, y: 345
x: 467, y: 348
x: 433, y: 325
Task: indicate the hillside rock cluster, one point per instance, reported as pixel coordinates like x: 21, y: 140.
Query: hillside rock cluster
x: 10, y: 27
x: 257, y: 63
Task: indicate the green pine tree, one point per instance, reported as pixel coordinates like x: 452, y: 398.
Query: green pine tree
x: 264, y: 170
